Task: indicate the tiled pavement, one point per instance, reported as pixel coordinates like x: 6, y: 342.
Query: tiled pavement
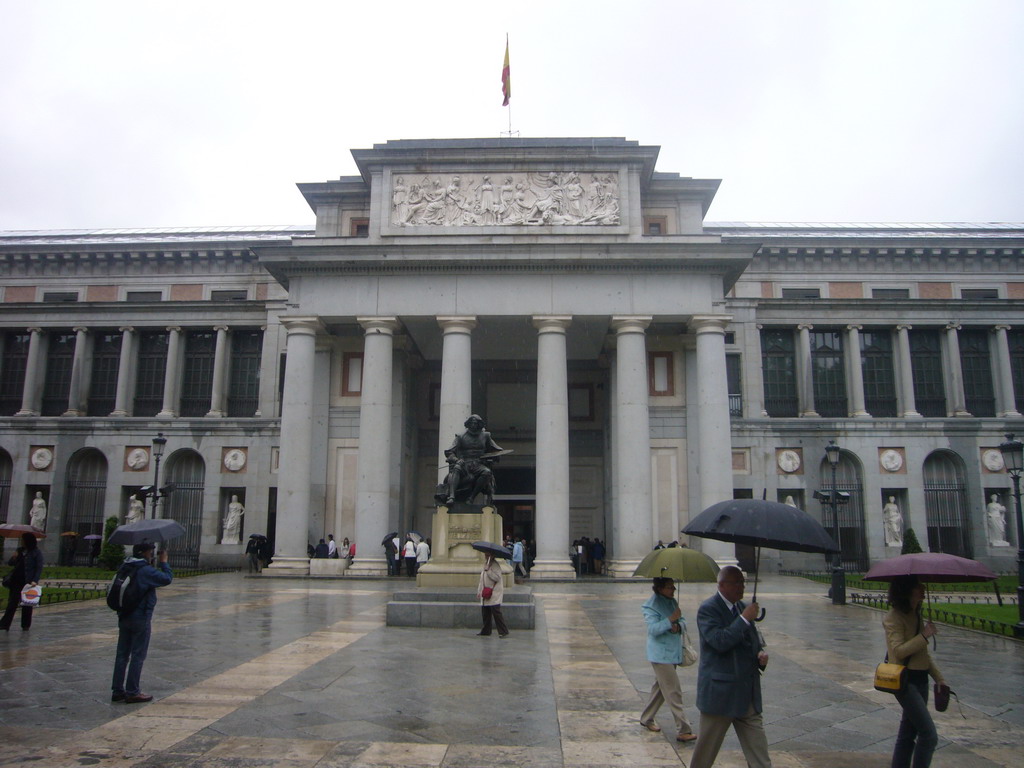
x: 296, y: 673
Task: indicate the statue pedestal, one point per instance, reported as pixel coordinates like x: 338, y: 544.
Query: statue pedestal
x: 453, y: 561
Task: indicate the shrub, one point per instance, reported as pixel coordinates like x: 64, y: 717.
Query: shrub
x: 910, y: 543
x: 111, y: 555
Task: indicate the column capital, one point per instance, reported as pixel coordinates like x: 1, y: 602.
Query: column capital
x: 805, y: 327
x: 551, y: 323
x: 709, y: 323
x: 221, y: 327
x: 308, y: 325
x: 854, y: 327
x: 1002, y: 327
x: 904, y: 327
x: 630, y: 323
x: 387, y: 324
x: 457, y: 323
x: 80, y: 329
x: 174, y: 328
x: 35, y: 329
x: 953, y: 326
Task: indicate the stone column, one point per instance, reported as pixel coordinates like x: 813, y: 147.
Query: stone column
x: 552, y: 515
x: 456, y: 383
x: 752, y: 373
x: 804, y: 373
x: 32, y: 391
x: 373, y: 486
x: 1007, y: 406
x: 957, y: 405
x: 295, y: 465
x: 220, y: 370
x: 855, y: 373
x: 632, y: 522
x: 76, y: 395
x: 714, y: 434
x: 172, y: 374
x: 906, y: 373
x: 125, y: 364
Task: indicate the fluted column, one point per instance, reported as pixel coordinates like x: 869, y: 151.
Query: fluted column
x: 295, y: 466
x: 76, y: 395
x: 804, y: 372
x: 456, y: 383
x: 552, y: 517
x: 32, y: 390
x: 1007, y: 406
x: 855, y: 375
x: 958, y: 401
x: 906, y: 373
x: 172, y: 374
x: 632, y: 517
x: 373, y: 484
x: 714, y: 433
x: 220, y: 370
x: 125, y: 364
x: 752, y: 375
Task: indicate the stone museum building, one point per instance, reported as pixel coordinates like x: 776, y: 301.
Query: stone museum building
x: 640, y: 363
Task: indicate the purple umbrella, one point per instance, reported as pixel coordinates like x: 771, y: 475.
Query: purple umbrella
x: 932, y: 567
x: 93, y: 537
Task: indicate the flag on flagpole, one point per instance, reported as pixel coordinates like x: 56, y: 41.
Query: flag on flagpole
x: 506, y: 79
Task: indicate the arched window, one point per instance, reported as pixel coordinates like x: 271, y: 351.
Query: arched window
x: 945, y: 501
x: 6, y: 470
x: 852, y: 540
x: 187, y: 471
x: 84, y: 503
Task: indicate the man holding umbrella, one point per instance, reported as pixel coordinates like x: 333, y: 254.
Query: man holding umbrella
x: 134, y: 625
x: 729, y: 675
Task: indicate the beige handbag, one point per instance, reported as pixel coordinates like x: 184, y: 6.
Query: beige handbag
x: 689, y: 653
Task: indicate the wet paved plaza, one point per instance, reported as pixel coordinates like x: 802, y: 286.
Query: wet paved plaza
x: 297, y: 673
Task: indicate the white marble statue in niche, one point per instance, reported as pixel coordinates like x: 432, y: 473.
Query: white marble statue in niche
x: 553, y: 198
x: 233, y: 522
x: 136, y: 510
x: 995, y: 522
x: 893, y: 519
x: 37, y: 514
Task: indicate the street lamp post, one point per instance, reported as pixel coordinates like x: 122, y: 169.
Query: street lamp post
x: 1013, y: 460
x: 838, y: 574
x: 158, y: 451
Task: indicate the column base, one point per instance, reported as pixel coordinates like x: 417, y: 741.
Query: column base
x: 1010, y: 415
x: 368, y: 567
x: 810, y: 415
x: 860, y: 415
x: 288, y: 566
x: 622, y: 569
x: 552, y: 569
x: 73, y: 412
x: 962, y: 414
x: 166, y: 415
x: 27, y: 412
x: 911, y: 415
x: 215, y: 414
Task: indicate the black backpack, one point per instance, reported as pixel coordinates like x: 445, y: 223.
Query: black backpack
x: 124, y: 592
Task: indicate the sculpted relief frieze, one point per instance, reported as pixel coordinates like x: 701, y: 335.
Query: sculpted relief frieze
x: 509, y: 199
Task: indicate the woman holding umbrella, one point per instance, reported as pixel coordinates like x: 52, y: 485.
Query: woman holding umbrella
x: 665, y: 627
x: 28, y: 568
x: 490, y: 591
x: 906, y: 638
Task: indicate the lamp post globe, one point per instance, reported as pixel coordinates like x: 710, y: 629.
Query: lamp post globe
x: 1013, y: 460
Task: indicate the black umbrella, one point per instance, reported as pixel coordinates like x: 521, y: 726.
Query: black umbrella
x: 389, y: 537
x: 761, y: 523
x: 146, y: 530
x: 493, y: 549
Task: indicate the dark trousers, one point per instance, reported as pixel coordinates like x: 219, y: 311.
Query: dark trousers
x: 132, y: 646
x: 410, y: 566
x: 499, y: 621
x: 916, y: 725
x: 13, y: 601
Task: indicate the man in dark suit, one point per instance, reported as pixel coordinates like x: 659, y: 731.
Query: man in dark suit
x: 729, y: 675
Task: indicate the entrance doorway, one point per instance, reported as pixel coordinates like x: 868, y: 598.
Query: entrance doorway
x: 517, y: 517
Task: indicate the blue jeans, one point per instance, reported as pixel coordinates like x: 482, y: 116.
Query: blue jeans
x: 916, y: 724
x: 132, y: 645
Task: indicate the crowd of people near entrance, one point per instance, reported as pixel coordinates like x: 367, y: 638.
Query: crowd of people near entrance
x: 408, y: 553
x: 587, y: 556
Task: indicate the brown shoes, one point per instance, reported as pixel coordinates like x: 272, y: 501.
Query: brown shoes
x: 686, y: 738
x: 138, y: 698
x: 650, y: 725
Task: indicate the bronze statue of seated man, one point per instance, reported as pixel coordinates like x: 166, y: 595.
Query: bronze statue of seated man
x: 469, y: 465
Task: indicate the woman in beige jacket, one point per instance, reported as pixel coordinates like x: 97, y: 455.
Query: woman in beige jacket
x: 906, y: 638
x: 490, y: 606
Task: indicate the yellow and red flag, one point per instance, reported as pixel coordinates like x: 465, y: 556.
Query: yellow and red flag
x: 506, y: 79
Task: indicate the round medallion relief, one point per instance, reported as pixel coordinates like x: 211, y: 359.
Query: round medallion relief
x: 234, y: 460
x: 137, y: 458
x: 891, y: 460
x: 789, y: 461
x: 993, y: 460
x: 42, y: 458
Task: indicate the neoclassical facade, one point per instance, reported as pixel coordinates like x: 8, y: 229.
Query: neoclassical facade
x: 640, y: 363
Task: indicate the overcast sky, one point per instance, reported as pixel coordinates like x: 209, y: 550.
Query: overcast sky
x: 136, y: 114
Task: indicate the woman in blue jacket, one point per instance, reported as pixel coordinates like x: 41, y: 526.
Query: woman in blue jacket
x: 28, y: 568
x: 665, y: 626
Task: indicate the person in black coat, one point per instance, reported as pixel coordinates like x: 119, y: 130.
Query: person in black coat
x: 28, y: 569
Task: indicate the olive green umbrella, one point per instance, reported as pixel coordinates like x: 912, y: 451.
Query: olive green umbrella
x: 679, y: 564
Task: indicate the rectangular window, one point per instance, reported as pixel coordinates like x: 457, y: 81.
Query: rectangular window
x: 581, y: 402
x: 659, y: 374
x: 976, y: 364
x: 801, y: 293
x: 106, y: 357
x: 1016, y: 340
x: 12, y: 371
x: 778, y: 364
x: 732, y: 377
x: 352, y: 373
x: 145, y: 296
x: 890, y: 293
x: 360, y: 228
x: 229, y: 295
x: 60, y: 296
x: 149, y: 377
x: 926, y: 368
x: 979, y: 293
x: 655, y: 226
x: 197, y: 381
x: 244, y: 386
x: 828, y: 373
x: 877, y: 368
x: 60, y: 357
